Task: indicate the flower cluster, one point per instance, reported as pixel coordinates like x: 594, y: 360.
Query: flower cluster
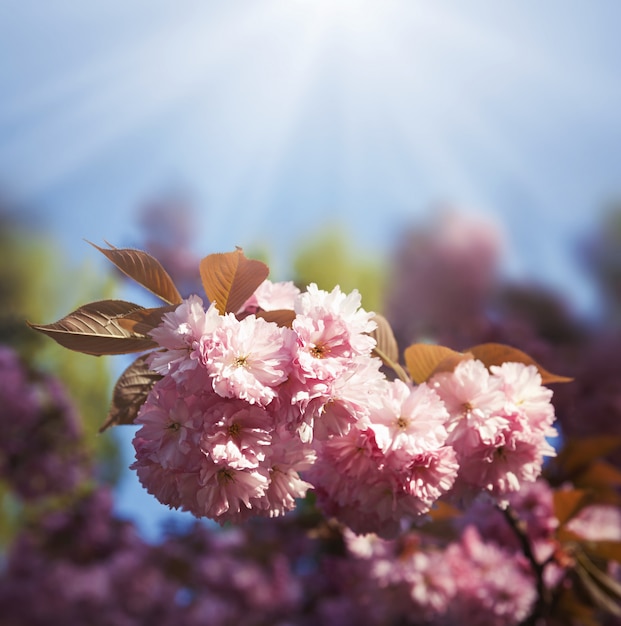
x: 91, y: 567
x: 41, y: 450
x: 83, y: 565
x: 471, y: 580
x: 250, y: 414
x: 500, y: 422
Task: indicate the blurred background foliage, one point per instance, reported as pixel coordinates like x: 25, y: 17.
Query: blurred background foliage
x: 328, y: 258
x: 39, y: 284
x: 442, y: 282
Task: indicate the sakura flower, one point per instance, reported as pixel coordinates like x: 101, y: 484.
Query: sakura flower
x: 346, y: 400
x: 331, y: 328
x: 270, y: 296
x: 317, y: 303
x: 474, y: 400
x: 171, y: 426
x: 522, y: 387
x: 348, y: 480
x: 226, y: 493
x: 493, y: 587
x: 236, y: 433
x: 163, y: 483
x: 597, y: 522
x: 288, y: 458
x: 247, y: 358
x: 505, y: 465
x: 410, y: 418
x: 421, y: 479
x: 178, y: 333
x: 499, y: 425
x: 370, y: 485
x: 430, y: 582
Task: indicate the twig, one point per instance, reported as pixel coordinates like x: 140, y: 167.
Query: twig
x: 543, y: 603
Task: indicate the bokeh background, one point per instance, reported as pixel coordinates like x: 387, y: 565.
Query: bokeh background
x: 336, y: 139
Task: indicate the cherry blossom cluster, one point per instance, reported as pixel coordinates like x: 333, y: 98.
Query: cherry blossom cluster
x: 500, y: 423
x: 90, y: 567
x: 249, y: 415
x: 474, y: 574
x: 86, y: 566
x: 41, y: 449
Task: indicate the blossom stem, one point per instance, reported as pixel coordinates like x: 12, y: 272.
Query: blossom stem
x: 542, y: 605
x: 399, y: 371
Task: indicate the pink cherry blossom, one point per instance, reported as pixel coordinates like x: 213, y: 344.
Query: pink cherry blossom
x: 522, y: 387
x: 171, y: 426
x: 597, y: 522
x: 179, y: 333
x: 421, y: 479
x: 499, y: 423
x: 346, y: 400
x: 474, y: 400
x: 493, y: 587
x: 331, y: 328
x: 236, y: 434
x: 409, y: 418
x: 270, y: 296
x: 226, y: 493
x: 288, y: 458
x: 247, y: 358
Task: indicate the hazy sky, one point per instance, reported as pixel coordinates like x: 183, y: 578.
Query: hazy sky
x: 278, y: 115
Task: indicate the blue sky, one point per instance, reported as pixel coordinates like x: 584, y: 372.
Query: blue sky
x: 278, y: 116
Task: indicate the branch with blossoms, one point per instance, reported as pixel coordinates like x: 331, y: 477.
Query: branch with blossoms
x: 262, y: 393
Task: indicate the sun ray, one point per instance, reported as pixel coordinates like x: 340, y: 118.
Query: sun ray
x: 322, y: 107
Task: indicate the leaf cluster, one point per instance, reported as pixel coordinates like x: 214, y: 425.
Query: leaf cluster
x: 109, y: 327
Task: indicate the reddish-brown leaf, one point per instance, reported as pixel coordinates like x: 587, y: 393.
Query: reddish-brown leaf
x: 145, y: 270
x: 606, y: 550
x: 567, y: 503
x: 599, y: 475
x: 130, y: 392
x: 442, y: 511
x: 143, y: 321
x: 386, y: 344
x: 576, y: 454
x: 229, y: 279
x: 571, y: 606
x: 423, y: 360
x: 282, y: 317
x: 94, y: 329
x: 497, y: 354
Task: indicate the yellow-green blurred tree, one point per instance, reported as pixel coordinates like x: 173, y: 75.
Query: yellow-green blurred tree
x: 328, y: 259
x: 38, y: 284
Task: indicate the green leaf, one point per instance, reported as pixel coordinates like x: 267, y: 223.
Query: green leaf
x: 145, y: 270
x: 497, y: 354
x: 130, y: 392
x: 229, y: 279
x: 94, y: 329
